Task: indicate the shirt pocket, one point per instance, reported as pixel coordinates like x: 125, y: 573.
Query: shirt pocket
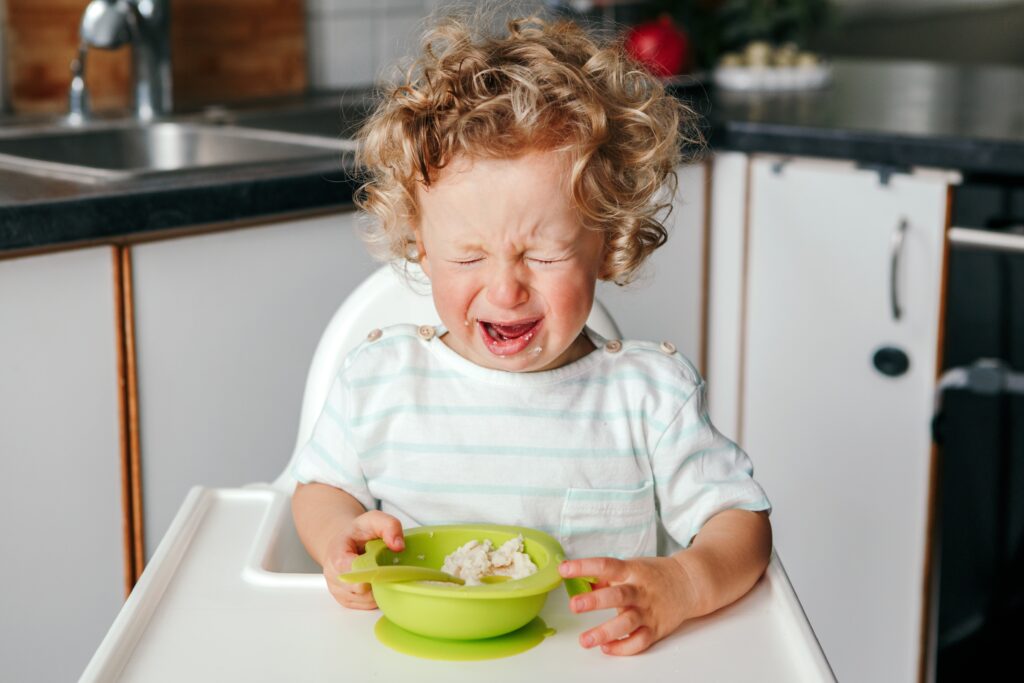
x: 609, y: 522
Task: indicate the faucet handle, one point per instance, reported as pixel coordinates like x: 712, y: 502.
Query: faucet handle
x: 78, y: 96
x: 105, y: 24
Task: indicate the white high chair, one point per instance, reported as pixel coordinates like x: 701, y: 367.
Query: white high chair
x: 231, y: 594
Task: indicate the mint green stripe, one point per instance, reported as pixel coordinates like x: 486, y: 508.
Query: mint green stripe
x: 666, y: 474
x: 616, y: 531
x: 342, y: 424
x: 336, y: 417
x: 547, y: 528
x: 741, y: 477
x: 504, y: 489
x: 672, y: 439
x: 620, y: 493
x: 487, y: 449
x: 477, y: 489
x: 668, y: 387
x: 374, y: 380
x: 763, y: 504
x: 476, y: 411
x: 330, y: 460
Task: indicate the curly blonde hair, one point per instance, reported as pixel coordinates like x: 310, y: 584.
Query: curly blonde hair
x: 544, y: 86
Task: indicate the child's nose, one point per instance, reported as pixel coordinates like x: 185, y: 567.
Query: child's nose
x: 507, y: 288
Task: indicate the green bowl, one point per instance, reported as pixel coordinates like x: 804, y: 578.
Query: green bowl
x: 455, y: 612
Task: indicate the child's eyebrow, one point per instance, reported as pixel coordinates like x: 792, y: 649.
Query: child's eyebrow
x: 541, y: 245
x: 466, y: 246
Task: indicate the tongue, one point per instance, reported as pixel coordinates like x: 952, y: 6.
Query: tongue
x: 513, y: 331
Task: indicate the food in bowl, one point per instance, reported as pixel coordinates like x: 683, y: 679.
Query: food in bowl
x: 464, y: 612
x: 475, y: 560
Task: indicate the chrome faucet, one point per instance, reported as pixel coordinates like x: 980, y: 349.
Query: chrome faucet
x: 109, y: 24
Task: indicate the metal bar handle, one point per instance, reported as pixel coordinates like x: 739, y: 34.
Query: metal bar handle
x: 972, y: 238
x: 895, y: 256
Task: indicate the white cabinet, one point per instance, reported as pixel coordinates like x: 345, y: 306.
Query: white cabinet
x: 226, y: 325
x: 843, y: 450
x: 63, y: 568
x: 667, y: 301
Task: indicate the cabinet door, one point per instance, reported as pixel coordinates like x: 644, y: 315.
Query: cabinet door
x: 667, y: 301
x: 63, y: 571
x: 727, y: 246
x: 226, y: 325
x: 843, y: 450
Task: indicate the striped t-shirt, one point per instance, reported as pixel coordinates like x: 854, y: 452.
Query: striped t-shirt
x: 612, y: 454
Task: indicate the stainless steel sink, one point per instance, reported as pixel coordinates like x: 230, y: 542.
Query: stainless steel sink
x: 129, y: 151
x: 326, y: 121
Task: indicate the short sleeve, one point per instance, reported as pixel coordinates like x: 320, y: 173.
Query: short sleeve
x: 698, y: 472
x: 330, y: 457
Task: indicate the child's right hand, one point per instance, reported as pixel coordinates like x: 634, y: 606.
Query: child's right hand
x: 349, y: 544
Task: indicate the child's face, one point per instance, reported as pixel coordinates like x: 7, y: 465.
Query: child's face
x: 502, y: 245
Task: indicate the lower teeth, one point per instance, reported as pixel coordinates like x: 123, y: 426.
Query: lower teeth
x: 495, y: 335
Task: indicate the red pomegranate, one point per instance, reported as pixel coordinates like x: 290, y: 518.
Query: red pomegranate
x: 660, y: 46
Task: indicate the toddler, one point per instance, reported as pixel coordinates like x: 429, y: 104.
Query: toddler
x: 517, y: 169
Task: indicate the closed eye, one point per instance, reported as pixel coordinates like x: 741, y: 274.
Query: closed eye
x: 546, y: 261
x: 467, y: 262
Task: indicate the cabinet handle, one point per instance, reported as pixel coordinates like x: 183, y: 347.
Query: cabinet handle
x: 1011, y: 242
x: 895, y: 256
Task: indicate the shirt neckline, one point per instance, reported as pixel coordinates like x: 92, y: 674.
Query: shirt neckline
x: 467, y: 367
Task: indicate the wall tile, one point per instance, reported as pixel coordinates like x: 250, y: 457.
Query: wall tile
x: 317, y: 40
x: 397, y: 37
x: 339, y: 7
x: 403, y: 5
x: 349, y: 51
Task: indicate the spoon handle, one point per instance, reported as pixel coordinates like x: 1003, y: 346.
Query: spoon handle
x: 578, y: 585
x: 398, y: 573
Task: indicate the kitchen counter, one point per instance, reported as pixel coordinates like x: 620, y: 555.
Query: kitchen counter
x: 892, y: 113
x: 887, y: 113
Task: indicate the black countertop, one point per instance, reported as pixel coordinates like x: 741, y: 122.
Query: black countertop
x: 897, y: 114
x: 903, y: 114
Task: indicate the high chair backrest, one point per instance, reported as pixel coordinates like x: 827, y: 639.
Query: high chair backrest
x: 384, y: 298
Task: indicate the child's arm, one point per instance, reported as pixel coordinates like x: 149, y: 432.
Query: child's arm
x: 335, y: 527
x: 654, y: 595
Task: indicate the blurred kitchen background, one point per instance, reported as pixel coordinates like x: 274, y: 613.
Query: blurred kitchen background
x: 238, y: 53
x: 229, y: 50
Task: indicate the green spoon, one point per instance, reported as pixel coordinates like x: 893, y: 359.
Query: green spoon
x: 408, y: 572
x: 399, y: 572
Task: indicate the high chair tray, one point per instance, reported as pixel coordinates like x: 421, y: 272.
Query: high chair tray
x: 221, y: 601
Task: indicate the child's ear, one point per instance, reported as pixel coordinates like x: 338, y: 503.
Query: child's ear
x: 421, y: 252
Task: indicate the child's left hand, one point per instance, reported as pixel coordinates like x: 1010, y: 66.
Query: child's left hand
x: 653, y: 596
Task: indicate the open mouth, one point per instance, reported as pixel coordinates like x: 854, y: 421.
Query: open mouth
x: 506, y: 339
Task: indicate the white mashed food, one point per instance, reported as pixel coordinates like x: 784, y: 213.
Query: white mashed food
x: 475, y: 560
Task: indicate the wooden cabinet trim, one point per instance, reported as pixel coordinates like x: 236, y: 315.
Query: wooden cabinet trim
x: 744, y: 297
x: 706, y: 265
x: 928, y: 667
x: 128, y: 410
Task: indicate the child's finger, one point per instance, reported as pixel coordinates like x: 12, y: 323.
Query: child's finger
x: 619, y: 595
x: 638, y: 641
x: 604, y: 569
x: 377, y: 524
x: 339, y: 561
x: 356, y: 601
x: 617, y: 627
